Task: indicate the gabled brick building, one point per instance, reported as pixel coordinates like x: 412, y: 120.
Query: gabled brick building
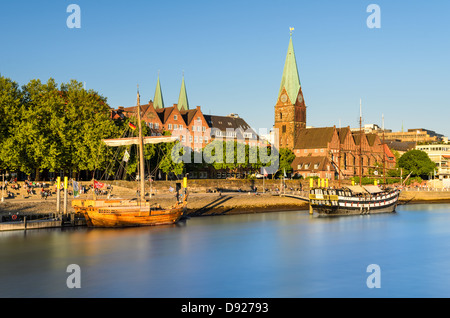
x: 343, y: 149
x: 194, y: 128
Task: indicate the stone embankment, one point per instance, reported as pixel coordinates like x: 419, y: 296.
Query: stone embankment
x: 416, y: 195
x: 206, y: 197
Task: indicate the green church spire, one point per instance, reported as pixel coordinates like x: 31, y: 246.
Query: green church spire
x: 290, y: 79
x: 183, y: 103
x: 158, y: 101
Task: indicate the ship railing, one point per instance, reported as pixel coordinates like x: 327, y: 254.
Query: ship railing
x: 323, y: 199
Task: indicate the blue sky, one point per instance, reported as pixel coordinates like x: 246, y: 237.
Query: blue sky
x: 233, y: 52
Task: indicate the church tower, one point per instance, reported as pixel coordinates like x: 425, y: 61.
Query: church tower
x: 290, y: 109
x: 158, y: 101
x: 183, y: 103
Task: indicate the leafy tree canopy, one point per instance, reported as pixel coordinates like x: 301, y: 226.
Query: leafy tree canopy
x: 53, y: 127
x: 417, y: 162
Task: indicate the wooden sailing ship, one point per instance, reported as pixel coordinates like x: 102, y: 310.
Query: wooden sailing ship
x: 126, y: 213
x: 354, y: 199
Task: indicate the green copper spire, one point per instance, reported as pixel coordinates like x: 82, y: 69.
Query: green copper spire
x: 183, y: 103
x: 158, y: 101
x: 290, y: 79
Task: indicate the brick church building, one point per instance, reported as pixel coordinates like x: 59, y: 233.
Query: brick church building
x: 326, y: 152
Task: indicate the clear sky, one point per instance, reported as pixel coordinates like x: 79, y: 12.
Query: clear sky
x: 232, y: 54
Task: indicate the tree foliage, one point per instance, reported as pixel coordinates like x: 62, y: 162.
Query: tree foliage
x: 417, y: 162
x: 54, y: 127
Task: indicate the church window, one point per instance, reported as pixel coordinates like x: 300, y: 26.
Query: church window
x: 281, y: 115
x: 283, y: 129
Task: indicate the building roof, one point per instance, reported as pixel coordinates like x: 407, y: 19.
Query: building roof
x: 312, y: 138
x: 309, y: 163
x: 158, y: 101
x: 164, y: 113
x: 402, y: 146
x: 388, y: 152
x: 357, y: 137
x: 342, y: 133
x: 290, y: 80
x: 183, y: 103
x: 371, y: 138
x: 189, y: 115
x: 232, y: 121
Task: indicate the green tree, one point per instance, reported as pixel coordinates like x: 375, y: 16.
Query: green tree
x: 165, y: 158
x: 35, y: 144
x: 417, y: 162
x: 11, y: 98
x: 286, y: 158
x: 86, y: 123
x: 59, y: 128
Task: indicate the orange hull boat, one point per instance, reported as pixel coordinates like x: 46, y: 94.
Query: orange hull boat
x: 113, y: 214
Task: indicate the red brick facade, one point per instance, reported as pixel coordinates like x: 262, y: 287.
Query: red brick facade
x: 327, y: 151
x: 290, y: 117
x: 194, y: 129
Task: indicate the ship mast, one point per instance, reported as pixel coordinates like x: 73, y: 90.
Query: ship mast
x: 360, y: 144
x: 141, y: 151
x: 339, y: 156
x: 384, y: 153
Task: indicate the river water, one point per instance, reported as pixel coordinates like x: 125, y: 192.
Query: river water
x: 281, y: 254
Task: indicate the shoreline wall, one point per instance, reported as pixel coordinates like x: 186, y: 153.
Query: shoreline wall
x: 225, y: 185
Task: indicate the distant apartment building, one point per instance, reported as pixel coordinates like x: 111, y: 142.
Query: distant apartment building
x: 440, y: 155
x: 371, y: 128
x: 418, y: 135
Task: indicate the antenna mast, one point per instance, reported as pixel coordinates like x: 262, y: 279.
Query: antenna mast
x: 384, y: 152
x: 141, y: 149
x: 360, y: 144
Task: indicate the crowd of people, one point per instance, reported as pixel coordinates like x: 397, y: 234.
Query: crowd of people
x: 10, y: 188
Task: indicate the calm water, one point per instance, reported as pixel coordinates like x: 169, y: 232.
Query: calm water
x: 284, y: 254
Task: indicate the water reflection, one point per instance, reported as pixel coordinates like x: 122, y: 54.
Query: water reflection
x: 283, y: 254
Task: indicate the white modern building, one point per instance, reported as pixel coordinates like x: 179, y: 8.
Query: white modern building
x: 440, y: 154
